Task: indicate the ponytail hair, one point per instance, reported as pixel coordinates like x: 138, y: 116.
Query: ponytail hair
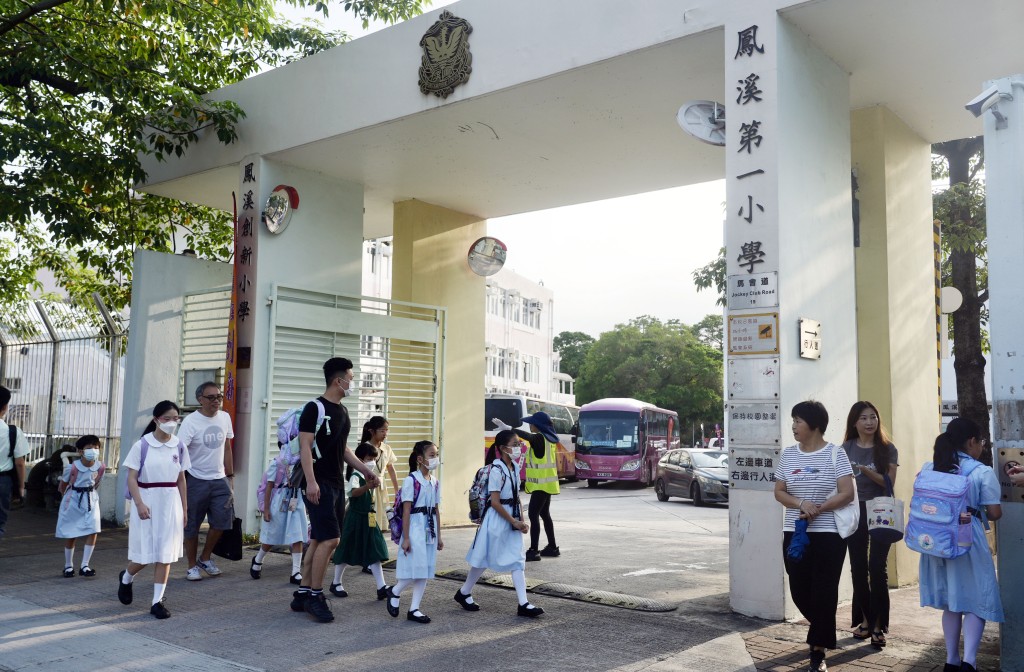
x: 372, y: 425
x: 418, y: 451
x: 494, y: 452
x: 958, y: 432
x: 158, y: 411
x: 363, y: 451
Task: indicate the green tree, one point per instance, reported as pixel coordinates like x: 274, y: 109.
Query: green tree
x: 88, y: 86
x: 960, y: 211
x: 713, y: 275
x: 572, y: 346
x: 709, y: 331
x: 661, y: 363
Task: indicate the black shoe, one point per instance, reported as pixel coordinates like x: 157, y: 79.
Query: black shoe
x: 382, y: 592
x: 529, y: 610
x: 366, y: 570
x: 950, y: 667
x: 69, y: 572
x: 253, y: 572
x: 124, y: 592
x: 461, y: 599
x: 318, y: 608
x: 550, y: 551
x: 299, y: 600
x: 392, y: 611
x: 295, y: 579
x: 87, y: 571
x: 532, y: 555
x: 422, y: 618
x: 337, y: 591
x: 159, y: 610
x: 817, y: 662
x: 967, y: 667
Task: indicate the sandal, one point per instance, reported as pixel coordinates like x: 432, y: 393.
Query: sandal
x: 878, y: 639
x: 860, y: 632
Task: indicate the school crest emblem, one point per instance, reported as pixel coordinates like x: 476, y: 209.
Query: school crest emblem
x: 446, y: 59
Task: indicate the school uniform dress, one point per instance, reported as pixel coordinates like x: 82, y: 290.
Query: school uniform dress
x: 160, y: 538
x: 79, y: 514
x: 362, y: 543
x: 497, y: 545
x: 286, y: 526
x: 419, y: 562
x: 966, y: 584
x: 383, y: 498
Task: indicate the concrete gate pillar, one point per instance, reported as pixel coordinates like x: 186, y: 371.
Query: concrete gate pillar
x: 430, y: 268
x: 788, y: 229
x: 896, y: 300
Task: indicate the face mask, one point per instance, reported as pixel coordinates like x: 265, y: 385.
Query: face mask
x: 347, y: 391
x: 433, y: 463
x: 168, y: 427
x: 372, y: 466
x: 514, y: 451
x: 90, y: 454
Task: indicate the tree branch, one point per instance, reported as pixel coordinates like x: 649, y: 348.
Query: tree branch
x: 983, y: 297
x: 10, y: 24
x: 22, y: 79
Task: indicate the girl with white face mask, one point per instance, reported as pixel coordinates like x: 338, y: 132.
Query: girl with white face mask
x: 421, y: 530
x: 362, y: 543
x: 156, y: 484
x: 79, y: 516
x: 498, y: 544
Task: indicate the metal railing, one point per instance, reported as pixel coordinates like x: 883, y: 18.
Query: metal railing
x: 64, y: 366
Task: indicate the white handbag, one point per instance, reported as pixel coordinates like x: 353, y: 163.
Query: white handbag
x: 886, y: 516
x: 848, y: 517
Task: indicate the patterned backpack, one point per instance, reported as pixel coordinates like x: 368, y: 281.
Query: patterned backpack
x: 937, y: 524
x: 395, y: 522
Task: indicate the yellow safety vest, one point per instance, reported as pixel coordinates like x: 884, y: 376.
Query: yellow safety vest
x: 542, y: 475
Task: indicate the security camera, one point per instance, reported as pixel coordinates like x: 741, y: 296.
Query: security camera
x: 989, y: 97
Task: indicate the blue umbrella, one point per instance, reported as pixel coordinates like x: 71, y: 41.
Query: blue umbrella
x: 799, y: 542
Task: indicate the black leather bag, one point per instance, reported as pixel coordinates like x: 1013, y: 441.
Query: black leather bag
x: 229, y: 546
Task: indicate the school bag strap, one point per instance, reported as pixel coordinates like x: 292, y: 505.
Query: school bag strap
x: 12, y: 439
x: 143, y: 451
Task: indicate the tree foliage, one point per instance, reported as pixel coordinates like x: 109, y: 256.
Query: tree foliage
x: 709, y: 331
x: 88, y: 86
x: 713, y: 275
x: 572, y: 346
x: 661, y: 363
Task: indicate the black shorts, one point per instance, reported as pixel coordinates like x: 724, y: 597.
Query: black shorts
x: 325, y: 517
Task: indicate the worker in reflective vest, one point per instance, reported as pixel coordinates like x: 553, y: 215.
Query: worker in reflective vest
x: 541, y: 480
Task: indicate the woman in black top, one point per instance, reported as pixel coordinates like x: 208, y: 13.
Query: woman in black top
x: 873, y: 457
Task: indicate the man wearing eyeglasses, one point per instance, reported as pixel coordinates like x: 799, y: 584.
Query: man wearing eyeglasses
x: 207, y: 434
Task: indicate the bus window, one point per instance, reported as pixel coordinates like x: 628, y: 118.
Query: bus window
x: 509, y: 411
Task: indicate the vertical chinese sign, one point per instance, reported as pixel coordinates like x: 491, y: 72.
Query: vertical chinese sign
x: 239, y: 346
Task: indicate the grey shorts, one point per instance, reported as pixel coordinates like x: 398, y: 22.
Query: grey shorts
x: 208, y: 499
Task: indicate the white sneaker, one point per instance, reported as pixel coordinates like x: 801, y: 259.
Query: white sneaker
x: 208, y: 567
x: 193, y: 574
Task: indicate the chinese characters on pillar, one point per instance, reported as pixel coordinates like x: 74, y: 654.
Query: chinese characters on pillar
x: 240, y: 328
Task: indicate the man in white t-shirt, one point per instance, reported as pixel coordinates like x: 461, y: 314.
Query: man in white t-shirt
x: 12, y: 461
x: 207, y: 434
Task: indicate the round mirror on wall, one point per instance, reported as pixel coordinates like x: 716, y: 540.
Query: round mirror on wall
x: 278, y: 213
x: 487, y: 256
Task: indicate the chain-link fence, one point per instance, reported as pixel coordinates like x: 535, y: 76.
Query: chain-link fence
x: 64, y: 366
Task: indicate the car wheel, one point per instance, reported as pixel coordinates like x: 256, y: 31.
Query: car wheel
x: 696, y: 495
x: 659, y: 490
x: 591, y: 482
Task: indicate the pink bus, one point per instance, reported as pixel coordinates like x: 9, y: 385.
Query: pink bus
x: 623, y: 439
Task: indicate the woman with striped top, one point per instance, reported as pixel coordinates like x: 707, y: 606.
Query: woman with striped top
x: 805, y: 477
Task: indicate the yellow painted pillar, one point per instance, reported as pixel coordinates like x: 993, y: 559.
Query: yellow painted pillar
x: 896, y: 311
x: 430, y: 247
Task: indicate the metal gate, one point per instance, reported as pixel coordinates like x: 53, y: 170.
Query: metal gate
x: 204, y: 341
x: 397, y: 350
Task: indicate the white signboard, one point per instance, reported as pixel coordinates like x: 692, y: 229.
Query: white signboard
x: 754, y: 290
x: 753, y: 378
x: 810, y: 338
x: 754, y: 424
x: 754, y: 334
x: 1006, y: 458
x: 752, y: 468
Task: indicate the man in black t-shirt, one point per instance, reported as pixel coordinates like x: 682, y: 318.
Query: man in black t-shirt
x: 324, y: 488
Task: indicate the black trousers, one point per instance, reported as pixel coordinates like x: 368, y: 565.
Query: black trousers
x: 868, y: 559
x: 540, y: 509
x: 814, y: 583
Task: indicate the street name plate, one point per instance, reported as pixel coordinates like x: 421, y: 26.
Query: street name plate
x: 754, y: 424
x: 755, y: 290
x: 752, y: 468
x: 753, y: 378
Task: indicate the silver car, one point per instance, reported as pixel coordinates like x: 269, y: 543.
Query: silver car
x: 698, y: 475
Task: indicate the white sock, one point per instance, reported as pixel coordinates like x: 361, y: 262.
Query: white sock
x: 260, y: 554
x: 951, y: 622
x: 127, y: 578
x: 472, y: 576
x: 378, y: 574
x: 519, y: 581
x: 69, y: 557
x: 297, y: 563
x: 87, y: 554
x: 418, y: 589
x: 397, y: 589
x: 339, y: 573
x: 158, y: 591
x: 973, y: 629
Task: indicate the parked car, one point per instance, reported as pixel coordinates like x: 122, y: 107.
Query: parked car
x: 699, y: 475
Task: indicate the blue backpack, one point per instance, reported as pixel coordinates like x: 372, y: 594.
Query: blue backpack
x: 935, y: 526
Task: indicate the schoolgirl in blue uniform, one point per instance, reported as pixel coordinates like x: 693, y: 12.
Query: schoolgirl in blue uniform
x: 79, y: 516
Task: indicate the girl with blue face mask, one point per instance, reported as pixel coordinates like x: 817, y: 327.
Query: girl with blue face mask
x: 79, y: 516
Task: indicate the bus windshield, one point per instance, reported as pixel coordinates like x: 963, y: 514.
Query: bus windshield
x: 607, y: 433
